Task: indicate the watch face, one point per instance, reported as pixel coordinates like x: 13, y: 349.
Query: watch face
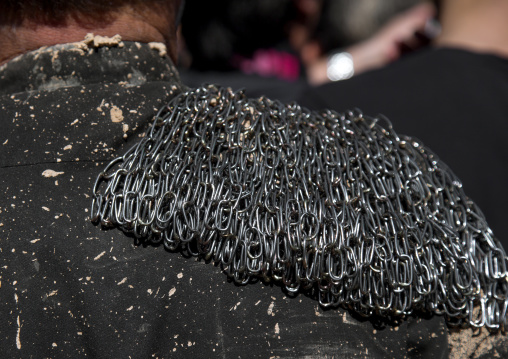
x: 340, y: 67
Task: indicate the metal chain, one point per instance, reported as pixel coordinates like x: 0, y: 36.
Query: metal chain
x: 335, y: 203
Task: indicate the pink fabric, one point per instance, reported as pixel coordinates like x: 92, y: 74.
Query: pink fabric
x: 270, y: 63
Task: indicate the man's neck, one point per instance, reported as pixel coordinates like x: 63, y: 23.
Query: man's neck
x: 30, y: 36
x: 479, y: 26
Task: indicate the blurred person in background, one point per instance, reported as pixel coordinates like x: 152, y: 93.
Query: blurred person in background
x: 352, y: 37
x: 244, y: 44
x: 452, y: 96
x: 292, y: 41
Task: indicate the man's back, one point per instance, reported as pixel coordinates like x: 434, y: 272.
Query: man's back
x: 70, y: 289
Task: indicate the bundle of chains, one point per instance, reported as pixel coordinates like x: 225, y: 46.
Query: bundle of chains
x: 335, y: 204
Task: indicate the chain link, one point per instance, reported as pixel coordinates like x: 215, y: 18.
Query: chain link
x: 334, y: 203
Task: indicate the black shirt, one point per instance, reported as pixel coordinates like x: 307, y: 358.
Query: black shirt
x: 70, y: 289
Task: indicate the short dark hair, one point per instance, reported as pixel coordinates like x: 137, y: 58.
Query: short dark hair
x: 14, y: 12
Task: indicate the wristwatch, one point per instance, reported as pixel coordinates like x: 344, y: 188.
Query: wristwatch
x: 340, y: 66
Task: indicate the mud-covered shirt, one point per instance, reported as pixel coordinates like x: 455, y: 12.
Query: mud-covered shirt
x: 70, y: 289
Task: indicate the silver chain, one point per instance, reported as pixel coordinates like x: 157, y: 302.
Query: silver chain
x: 337, y: 204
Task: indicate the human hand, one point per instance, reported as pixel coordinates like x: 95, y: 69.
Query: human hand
x: 406, y: 32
